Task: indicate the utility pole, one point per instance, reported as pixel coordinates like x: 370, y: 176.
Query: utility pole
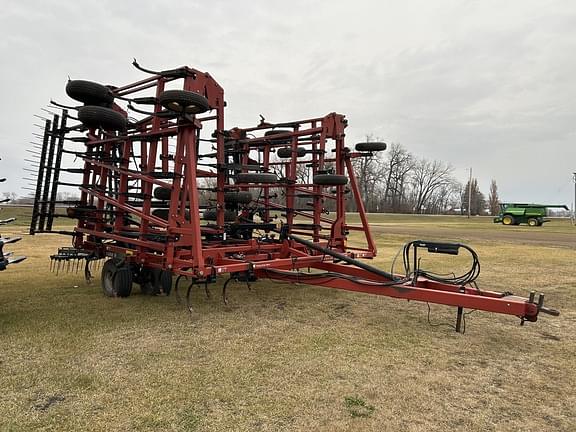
x: 469, y: 193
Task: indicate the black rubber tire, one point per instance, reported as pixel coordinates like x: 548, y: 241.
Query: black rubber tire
x: 242, y: 197
x: 123, y: 282
x: 330, y: 179
x: 101, y: 117
x: 146, y: 281
x: 90, y: 93
x: 286, y: 152
x: 163, y: 213
x: 160, y: 213
x: 256, y: 178
x: 116, y: 281
x: 163, y: 282
x: 162, y: 193
x: 210, y: 215
x: 107, y: 277
x: 508, y: 220
x: 182, y: 101
x: 532, y: 222
x: 370, y: 146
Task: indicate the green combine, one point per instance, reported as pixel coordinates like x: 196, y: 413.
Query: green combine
x: 531, y: 214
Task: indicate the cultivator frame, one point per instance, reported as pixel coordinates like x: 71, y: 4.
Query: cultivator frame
x: 175, y: 193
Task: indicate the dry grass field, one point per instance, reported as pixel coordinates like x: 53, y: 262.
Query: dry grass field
x: 293, y: 357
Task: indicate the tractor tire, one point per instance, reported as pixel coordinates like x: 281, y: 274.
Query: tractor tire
x: 533, y: 222
x: 116, y: 281
x: 508, y: 220
x: 101, y: 117
x: 286, y: 152
x: 242, y: 197
x: 271, y: 133
x: 162, y: 193
x: 256, y: 178
x: 371, y: 146
x: 184, y: 102
x: 210, y: 215
x: 330, y: 179
x: 89, y: 93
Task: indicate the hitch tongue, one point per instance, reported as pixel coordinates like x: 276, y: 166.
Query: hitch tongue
x: 540, y: 308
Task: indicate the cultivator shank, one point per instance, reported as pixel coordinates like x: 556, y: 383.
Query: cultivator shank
x: 166, y: 189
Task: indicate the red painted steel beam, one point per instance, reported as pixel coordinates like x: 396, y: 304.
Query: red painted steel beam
x: 509, y: 305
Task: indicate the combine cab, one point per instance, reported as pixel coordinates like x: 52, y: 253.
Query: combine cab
x: 166, y: 190
x: 531, y: 214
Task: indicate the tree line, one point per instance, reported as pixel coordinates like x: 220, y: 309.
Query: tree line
x: 397, y: 181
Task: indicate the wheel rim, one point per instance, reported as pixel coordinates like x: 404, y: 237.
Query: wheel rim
x: 507, y: 220
x: 109, y: 282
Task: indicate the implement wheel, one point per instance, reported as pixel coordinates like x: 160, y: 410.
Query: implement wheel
x: 330, y: 179
x: 508, y: 220
x: 286, y: 152
x: 101, y: 117
x: 89, y: 92
x: 241, y: 197
x: 184, y: 102
x: 162, y: 193
x: 256, y: 178
x: 371, y: 146
x: 116, y: 279
x: 533, y: 222
x: 210, y: 215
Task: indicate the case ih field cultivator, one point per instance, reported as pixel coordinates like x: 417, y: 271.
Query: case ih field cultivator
x: 172, y: 192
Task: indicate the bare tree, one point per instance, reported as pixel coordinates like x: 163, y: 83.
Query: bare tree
x: 493, y: 199
x: 399, y: 163
x: 427, y: 178
x: 370, y: 170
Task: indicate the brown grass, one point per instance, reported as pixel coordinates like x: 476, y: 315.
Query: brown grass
x: 285, y: 357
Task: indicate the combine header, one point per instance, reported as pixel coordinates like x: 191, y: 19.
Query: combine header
x: 167, y: 190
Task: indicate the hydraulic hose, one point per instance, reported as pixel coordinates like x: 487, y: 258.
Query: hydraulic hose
x: 344, y: 258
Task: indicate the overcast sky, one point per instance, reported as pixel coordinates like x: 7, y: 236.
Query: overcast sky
x: 477, y: 83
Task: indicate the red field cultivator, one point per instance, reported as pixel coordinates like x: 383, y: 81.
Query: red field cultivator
x: 166, y: 190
